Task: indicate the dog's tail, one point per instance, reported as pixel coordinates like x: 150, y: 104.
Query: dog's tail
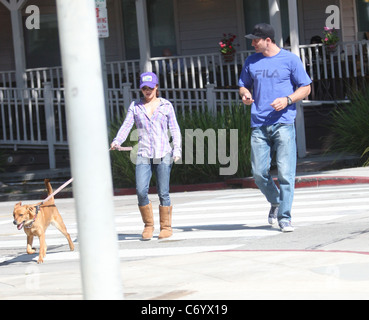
x: 48, y: 188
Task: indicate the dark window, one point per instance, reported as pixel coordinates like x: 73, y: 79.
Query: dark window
x: 42, y: 45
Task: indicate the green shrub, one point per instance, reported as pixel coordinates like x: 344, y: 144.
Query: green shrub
x: 350, y: 126
x: 123, y: 169
x: 189, y: 172
x: 366, y: 164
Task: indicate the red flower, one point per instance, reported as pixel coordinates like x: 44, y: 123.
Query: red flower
x: 226, y: 44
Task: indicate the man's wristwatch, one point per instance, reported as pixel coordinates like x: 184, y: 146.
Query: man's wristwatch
x: 289, y: 101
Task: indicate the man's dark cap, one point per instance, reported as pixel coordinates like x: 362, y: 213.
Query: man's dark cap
x: 262, y: 31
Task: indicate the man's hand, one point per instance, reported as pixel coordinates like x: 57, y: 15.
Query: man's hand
x: 279, y: 104
x: 247, y: 99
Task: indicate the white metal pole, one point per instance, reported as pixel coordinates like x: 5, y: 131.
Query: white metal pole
x: 88, y: 143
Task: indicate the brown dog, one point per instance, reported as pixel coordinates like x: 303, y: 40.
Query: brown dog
x: 36, y: 218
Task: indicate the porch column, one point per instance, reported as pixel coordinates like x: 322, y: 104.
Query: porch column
x: 275, y: 21
x: 294, y: 26
x: 143, y: 36
x: 15, y: 7
x: 295, y: 42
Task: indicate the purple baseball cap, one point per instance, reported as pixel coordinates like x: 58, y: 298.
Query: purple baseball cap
x: 148, y: 79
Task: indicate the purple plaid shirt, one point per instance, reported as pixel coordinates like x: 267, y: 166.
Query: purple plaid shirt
x: 153, y: 140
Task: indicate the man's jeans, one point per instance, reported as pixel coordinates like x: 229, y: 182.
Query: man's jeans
x: 264, y: 141
x: 144, y: 169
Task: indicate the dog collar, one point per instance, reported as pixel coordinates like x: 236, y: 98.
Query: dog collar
x: 34, y: 219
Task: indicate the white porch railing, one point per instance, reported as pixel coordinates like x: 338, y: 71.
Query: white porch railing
x: 35, y: 118
x: 350, y: 59
x: 196, y: 71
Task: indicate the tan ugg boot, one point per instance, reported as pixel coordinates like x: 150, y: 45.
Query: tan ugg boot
x: 165, y: 222
x: 148, y: 219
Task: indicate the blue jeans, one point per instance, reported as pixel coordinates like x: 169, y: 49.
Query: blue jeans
x: 264, y: 141
x: 144, y: 169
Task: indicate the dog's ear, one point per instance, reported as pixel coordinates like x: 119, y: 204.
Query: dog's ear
x: 19, y: 204
x: 32, y: 211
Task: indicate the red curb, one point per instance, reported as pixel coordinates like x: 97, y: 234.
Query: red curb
x: 302, y: 182
x: 200, y: 187
x: 243, y: 182
x: 176, y: 188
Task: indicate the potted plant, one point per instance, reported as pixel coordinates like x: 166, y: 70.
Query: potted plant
x: 330, y: 39
x: 227, y: 48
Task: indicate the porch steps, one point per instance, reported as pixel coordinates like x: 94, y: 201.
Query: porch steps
x: 30, y: 160
x: 21, y: 186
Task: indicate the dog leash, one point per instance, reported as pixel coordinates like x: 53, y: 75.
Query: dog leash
x: 118, y: 148
x: 38, y: 206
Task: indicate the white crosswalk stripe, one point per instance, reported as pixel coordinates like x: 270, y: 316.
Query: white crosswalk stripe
x: 202, y: 221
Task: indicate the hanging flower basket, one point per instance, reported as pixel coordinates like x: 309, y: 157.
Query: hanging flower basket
x: 330, y: 39
x: 332, y: 48
x: 227, y: 48
x: 228, y: 57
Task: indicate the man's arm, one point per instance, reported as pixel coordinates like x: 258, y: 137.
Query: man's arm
x: 301, y: 93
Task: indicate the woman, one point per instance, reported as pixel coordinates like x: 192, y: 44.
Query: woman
x: 153, y: 116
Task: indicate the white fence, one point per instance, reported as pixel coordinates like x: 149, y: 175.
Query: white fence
x: 350, y: 60
x: 35, y: 118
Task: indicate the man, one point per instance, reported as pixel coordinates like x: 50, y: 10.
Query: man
x: 272, y: 81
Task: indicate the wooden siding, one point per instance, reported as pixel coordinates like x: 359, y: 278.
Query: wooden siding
x: 201, y: 24
x: 6, y: 42
x: 114, y: 44
x: 312, y: 18
x: 349, y: 22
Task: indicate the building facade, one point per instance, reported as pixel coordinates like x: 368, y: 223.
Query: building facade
x: 182, y: 27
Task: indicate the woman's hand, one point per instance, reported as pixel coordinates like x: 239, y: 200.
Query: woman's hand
x: 113, y: 146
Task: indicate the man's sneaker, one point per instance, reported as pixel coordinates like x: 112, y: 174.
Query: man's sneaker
x: 273, y: 213
x: 286, y: 226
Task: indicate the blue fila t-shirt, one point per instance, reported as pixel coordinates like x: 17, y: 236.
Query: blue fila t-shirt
x: 269, y: 78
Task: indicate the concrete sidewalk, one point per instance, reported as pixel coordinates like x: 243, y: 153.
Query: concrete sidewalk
x: 244, y: 275
x: 224, y: 275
